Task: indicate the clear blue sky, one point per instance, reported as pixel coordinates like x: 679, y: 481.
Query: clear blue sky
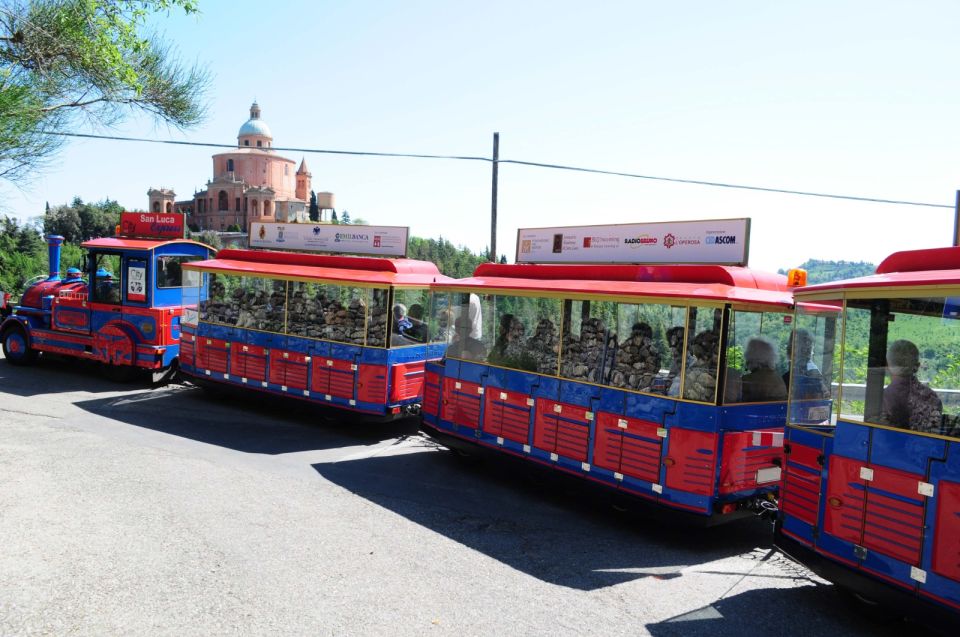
x: 849, y: 97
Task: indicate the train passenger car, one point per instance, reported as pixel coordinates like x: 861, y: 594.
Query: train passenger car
x: 663, y: 382
x: 344, y: 331
x: 871, y: 489
x: 122, y: 310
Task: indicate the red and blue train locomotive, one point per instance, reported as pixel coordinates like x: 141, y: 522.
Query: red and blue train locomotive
x: 663, y: 382
x: 871, y: 488
x: 123, y: 309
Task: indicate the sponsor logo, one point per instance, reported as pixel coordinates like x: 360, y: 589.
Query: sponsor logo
x: 525, y: 246
x: 687, y: 241
x: 669, y: 241
x: 722, y: 239
x: 587, y: 241
x: 350, y: 236
x: 376, y: 241
x: 317, y: 231
x: 263, y: 232
x: 280, y: 238
x: 557, y: 243
x: 642, y: 240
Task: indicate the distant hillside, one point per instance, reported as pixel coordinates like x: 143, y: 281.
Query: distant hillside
x: 823, y: 271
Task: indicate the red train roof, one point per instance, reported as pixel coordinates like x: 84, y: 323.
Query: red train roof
x: 121, y: 243
x: 707, y: 282
x: 368, y: 270
x: 932, y: 266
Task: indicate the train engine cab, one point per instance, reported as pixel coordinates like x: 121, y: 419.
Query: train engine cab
x: 871, y: 490
x: 122, y: 309
x: 344, y: 331
x: 661, y: 382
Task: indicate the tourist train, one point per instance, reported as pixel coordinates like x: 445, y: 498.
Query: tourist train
x: 122, y: 309
x: 344, y: 331
x: 870, y: 497
x: 664, y: 382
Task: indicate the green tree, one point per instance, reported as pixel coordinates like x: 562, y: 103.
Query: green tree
x: 66, y: 61
x: 314, y: 209
x: 345, y: 217
x: 81, y: 221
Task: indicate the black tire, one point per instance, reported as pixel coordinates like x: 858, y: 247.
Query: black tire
x: 16, y: 346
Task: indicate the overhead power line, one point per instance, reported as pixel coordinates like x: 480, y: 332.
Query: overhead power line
x: 357, y: 153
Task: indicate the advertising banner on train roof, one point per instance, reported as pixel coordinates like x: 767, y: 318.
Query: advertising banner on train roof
x: 152, y: 225
x: 382, y: 241
x: 717, y: 241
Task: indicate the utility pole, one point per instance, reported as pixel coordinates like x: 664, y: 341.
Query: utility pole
x: 493, y: 199
x: 956, y: 221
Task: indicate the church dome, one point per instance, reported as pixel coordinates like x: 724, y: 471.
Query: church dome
x: 255, y: 125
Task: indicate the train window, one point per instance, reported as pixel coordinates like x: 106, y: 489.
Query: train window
x: 644, y: 360
x: 588, y: 340
x: 106, y: 284
x: 260, y: 304
x: 441, y: 319
x: 702, y: 354
x: 169, y: 270
x: 899, y: 363
x: 813, y: 372
x: 304, y: 311
x: 756, y: 358
x: 525, y: 333
x: 408, y: 324
x: 222, y: 305
x: 377, y: 299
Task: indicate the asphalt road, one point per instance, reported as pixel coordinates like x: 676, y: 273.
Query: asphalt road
x: 131, y: 510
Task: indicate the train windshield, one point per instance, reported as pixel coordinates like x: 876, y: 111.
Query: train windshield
x: 813, y: 374
x: 900, y: 365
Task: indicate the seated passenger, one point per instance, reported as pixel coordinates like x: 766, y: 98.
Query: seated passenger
x: 675, y: 341
x: 465, y: 346
x: 700, y: 375
x: 106, y: 288
x: 403, y: 332
x: 509, y: 350
x: 444, y: 329
x: 761, y: 382
x: 908, y: 403
x: 808, y: 381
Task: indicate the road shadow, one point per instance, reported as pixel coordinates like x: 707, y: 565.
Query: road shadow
x: 53, y: 374
x: 558, y: 535
x: 819, y: 609
x: 247, y: 424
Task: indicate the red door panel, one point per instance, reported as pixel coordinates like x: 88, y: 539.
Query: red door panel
x: 372, y: 384
x: 800, y: 487
x: 691, y: 461
x: 946, y: 539
x: 561, y: 428
x: 745, y: 453
x: 406, y: 381
x: 431, y: 394
x: 212, y: 354
x: 894, y: 514
x: 846, y: 497
x: 507, y: 414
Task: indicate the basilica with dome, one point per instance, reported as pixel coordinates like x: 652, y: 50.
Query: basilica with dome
x: 250, y: 183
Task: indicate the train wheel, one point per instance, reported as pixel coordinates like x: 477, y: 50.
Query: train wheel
x: 16, y: 348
